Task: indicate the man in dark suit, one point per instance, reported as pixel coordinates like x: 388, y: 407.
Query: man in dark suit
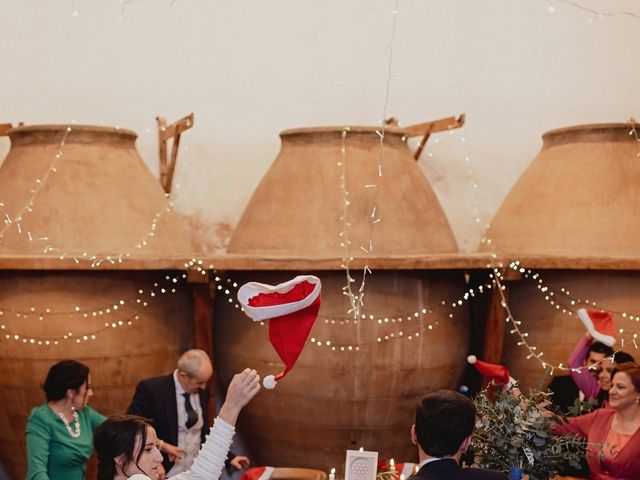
x: 177, y: 404
x: 444, y: 423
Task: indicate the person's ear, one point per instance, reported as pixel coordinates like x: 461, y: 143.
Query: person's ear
x: 414, y: 437
x: 465, y: 444
x: 119, y: 461
x: 71, y: 394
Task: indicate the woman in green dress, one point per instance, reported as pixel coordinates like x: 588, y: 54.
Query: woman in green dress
x: 60, y: 431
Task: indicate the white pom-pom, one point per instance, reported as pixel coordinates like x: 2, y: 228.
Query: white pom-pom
x: 471, y: 359
x: 269, y: 382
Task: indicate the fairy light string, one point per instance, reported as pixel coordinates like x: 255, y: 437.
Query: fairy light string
x: 356, y: 300
x: 634, y: 133
x: 596, y: 14
x: 228, y: 287
x: 556, y: 299
x: 103, y: 309
x: 94, y: 259
x: 141, y: 303
x: 345, y: 243
x: 532, y: 349
x: 40, y: 182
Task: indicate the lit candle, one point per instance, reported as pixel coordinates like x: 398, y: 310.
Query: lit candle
x: 332, y: 475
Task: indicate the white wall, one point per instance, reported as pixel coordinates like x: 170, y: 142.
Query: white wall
x: 251, y: 68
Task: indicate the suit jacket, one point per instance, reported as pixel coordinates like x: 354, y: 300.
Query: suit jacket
x: 448, y: 469
x: 565, y: 391
x: 155, y: 399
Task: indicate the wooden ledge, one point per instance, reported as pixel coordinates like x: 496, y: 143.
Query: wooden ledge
x: 455, y: 261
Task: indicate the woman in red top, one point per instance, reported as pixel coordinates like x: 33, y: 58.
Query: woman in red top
x: 613, y: 433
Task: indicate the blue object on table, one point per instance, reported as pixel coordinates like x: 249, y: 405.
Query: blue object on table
x: 515, y: 473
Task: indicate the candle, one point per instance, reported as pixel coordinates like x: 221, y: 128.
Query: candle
x: 332, y: 475
x: 392, y: 464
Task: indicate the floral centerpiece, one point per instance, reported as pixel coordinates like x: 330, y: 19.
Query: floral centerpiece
x: 515, y: 433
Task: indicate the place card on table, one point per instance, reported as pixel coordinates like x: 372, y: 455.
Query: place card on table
x: 361, y: 465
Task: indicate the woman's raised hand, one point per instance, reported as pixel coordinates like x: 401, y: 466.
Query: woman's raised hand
x: 244, y: 386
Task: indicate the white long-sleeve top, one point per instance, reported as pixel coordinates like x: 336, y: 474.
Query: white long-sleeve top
x: 210, y: 460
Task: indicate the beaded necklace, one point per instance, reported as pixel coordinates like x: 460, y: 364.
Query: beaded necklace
x: 75, y: 433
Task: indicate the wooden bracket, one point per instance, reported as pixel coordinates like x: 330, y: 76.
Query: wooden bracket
x: 427, y: 128
x: 165, y: 132
x: 5, y: 127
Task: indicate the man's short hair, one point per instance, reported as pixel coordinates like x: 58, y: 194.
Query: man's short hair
x: 599, y: 347
x: 192, y: 360
x: 623, y: 357
x: 443, y: 420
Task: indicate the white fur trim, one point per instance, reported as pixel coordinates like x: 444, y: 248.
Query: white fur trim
x: 595, y: 334
x: 471, y: 359
x: 266, y: 475
x: 251, y: 289
x: 269, y: 382
x: 586, y: 319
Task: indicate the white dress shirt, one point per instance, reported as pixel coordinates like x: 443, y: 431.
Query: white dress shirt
x: 188, y: 439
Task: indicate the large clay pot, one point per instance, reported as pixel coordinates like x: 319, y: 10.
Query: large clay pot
x: 576, y: 201
x: 101, y: 200
x: 361, y: 388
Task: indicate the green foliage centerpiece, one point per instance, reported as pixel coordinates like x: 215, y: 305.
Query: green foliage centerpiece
x: 516, y: 432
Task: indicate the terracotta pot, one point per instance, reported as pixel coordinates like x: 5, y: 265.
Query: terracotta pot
x: 102, y: 199
x: 297, y: 206
x: 366, y: 395
x: 575, y: 200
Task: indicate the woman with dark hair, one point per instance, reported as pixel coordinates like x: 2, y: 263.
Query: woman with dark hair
x: 127, y: 445
x: 613, y: 433
x: 60, y: 431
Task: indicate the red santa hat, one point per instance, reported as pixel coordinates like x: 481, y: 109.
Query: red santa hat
x: 257, y: 473
x: 599, y: 324
x: 291, y: 308
x: 498, y: 374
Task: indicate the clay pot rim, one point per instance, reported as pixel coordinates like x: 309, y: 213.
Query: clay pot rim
x: 339, y: 129
x: 589, y: 127
x: 74, y: 128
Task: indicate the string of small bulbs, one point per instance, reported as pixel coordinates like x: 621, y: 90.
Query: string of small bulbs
x: 356, y: 300
x: 94, y: 259
x: 634, y: 133
x: 227, y: 286
x: 40, y: 313
x: 555, y: 299
x: 596, y: 14
x: 39, y: 183
x: 68, y: 336
x: 140, y: 301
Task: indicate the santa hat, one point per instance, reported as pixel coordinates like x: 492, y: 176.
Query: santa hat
x: 599, y: 324
x: 291, y: 308
x: 257, y: 473
x: 498, y: 374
